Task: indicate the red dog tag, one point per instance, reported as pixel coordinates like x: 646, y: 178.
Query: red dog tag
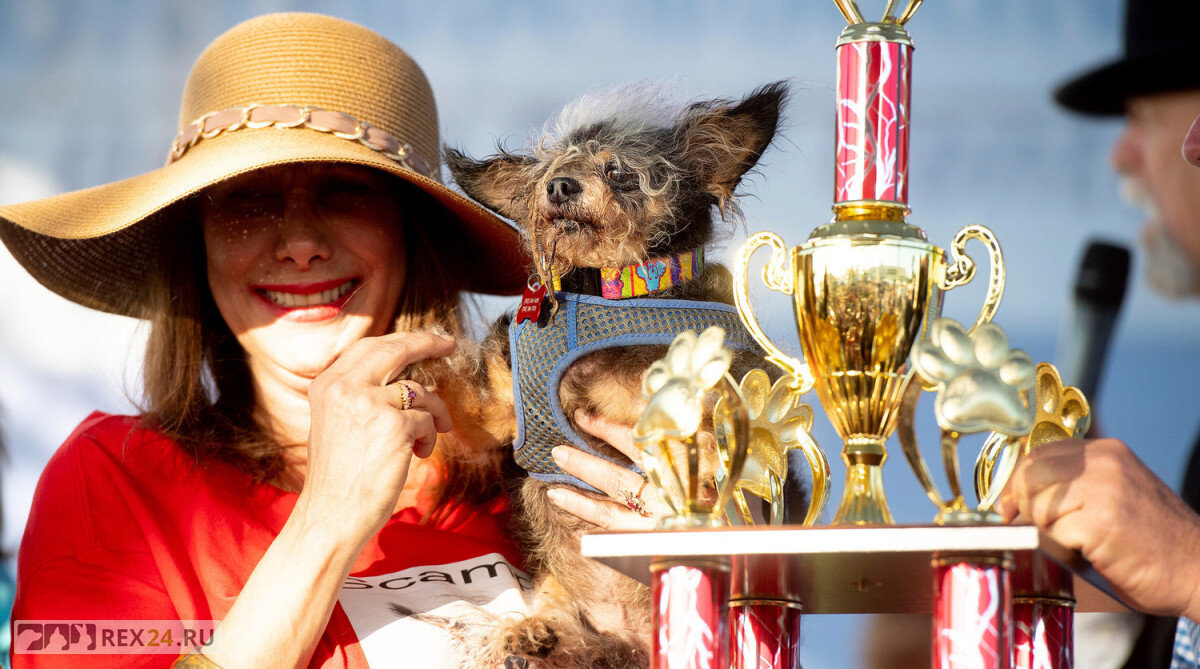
x: 531, y: 303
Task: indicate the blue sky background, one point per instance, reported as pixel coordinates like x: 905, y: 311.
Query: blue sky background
x: 91, y: 91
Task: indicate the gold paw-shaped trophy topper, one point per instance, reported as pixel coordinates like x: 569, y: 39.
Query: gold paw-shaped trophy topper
x: 1060, y: 413
x: 981, y: 385
x: 779, y: 422
x: 678, y: 391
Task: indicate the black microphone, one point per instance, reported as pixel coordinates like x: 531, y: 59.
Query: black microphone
x: 1099, y: 291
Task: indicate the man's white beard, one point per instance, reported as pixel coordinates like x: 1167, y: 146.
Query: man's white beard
x: 1169, y: 269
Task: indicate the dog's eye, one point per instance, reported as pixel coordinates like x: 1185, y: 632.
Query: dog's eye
x: 622, y: 179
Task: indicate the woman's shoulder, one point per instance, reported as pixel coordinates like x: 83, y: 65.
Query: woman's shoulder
x: 116, y: 439
x: 105, y: 461
x: 116, y: 479
x: 104, y: 428
x: 78, y: 488
x: 120, y: 455
x: 97, y: 449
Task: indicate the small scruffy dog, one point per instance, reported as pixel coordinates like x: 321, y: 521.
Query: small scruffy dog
x: 620, y: 179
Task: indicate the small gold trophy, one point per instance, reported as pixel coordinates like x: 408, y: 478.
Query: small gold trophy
x: 679, y: 391
x: 866, y: 286
x: 1060, y: 412
x: 981, y: 385
x: 779, y: 423
x: 754, y: 425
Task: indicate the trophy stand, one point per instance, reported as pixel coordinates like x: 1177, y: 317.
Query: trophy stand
x: 956, y: 573
x: 867, y: 292
x: 765, y: 615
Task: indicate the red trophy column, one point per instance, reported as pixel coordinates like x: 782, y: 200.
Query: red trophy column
x: 973, y: 613
x: 872, y: 121
x: 690, y: 622
x: 1044, y: 618
x: 765, y: 634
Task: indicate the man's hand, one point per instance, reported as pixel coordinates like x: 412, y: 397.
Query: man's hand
x: 1097, y: 497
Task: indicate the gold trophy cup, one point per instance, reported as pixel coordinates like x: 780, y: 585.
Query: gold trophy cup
x: 866, y: 286
x: 863, y: 292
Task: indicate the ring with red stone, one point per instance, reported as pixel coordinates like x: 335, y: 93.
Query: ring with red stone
x: 409, y: 397
x: 633, y: 500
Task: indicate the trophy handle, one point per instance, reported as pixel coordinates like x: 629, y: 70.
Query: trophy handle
x: 778, y: 277
x: 776, y: 499
x: 962, y: 270
x: 908, y: 443
x: 853, y: 14
x: 739, y: 420
x: 994, y: 466
x: 906, y: 14
x: 850, y: 10
x: 818, y: 467
x: 737, y: 510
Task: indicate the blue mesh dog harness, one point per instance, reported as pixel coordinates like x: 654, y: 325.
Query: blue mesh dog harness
x: 583, y: 324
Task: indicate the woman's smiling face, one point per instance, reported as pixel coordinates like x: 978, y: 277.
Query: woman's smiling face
x: 304, y: 260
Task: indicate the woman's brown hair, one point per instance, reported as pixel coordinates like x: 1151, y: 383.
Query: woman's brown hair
x: 197, y: 385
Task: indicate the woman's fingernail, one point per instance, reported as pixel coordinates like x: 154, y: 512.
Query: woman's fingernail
x: 560, y: 455
x: 557, y: 495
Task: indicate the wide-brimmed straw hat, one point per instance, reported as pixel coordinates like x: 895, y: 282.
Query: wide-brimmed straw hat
x: 282, y: 88
x: 1161, y: 44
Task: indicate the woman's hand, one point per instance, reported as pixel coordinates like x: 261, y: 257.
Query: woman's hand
x: 1097, y: 497
x: 365, y: 429
x: 617, y: 482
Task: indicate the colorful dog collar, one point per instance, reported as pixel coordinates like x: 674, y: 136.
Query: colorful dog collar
x: 637, y: 280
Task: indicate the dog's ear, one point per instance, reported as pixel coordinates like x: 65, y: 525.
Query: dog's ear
x: 720, y: 141
x: 497, y: 182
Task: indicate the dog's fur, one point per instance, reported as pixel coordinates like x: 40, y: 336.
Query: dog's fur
x: 620, y: 178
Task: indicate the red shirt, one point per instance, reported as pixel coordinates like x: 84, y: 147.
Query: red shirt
x: 124, y: 526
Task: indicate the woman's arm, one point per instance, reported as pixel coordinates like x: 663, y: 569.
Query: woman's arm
x: 286, y: 603
x: 360, y: 445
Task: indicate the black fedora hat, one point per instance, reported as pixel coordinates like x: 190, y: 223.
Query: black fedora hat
x: 1162, y: 53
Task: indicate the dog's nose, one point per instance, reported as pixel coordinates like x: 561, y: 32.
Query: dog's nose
x: 562, y: 189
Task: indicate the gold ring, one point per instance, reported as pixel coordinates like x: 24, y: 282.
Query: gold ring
x: 410, y: 396
x: 633, y: 500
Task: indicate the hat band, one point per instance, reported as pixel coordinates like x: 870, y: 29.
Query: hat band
x: 335, y: 123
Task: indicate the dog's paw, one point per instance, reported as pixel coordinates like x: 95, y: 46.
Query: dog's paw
x: 614, y: 651
x: 532, y: 638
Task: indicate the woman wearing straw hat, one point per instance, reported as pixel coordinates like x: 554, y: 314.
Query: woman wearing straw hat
x: 286, y: 258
